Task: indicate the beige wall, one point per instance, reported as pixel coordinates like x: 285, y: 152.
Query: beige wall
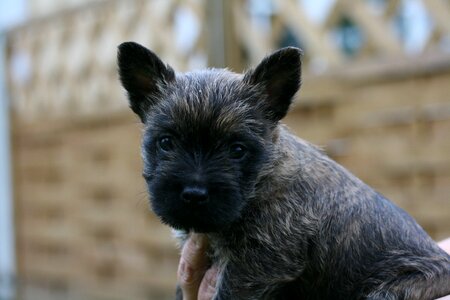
x: 83, y: 223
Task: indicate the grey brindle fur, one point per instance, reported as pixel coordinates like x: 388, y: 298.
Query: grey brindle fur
x: 283, y: 220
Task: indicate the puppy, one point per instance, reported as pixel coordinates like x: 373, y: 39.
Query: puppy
x: 284, y: 221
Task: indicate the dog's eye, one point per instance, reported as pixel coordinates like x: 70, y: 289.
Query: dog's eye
x: 237, y: 151
x: 165, y: 143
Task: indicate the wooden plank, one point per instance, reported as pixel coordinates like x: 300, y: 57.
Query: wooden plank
x: 314, y: 37
x: 378, y: 32
x: 254, y: 42
x: 440, y: 12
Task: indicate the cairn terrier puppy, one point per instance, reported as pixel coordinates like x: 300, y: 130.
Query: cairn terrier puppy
x: 283, y: 220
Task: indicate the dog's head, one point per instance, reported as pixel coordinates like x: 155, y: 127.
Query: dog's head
x: 207, y: 134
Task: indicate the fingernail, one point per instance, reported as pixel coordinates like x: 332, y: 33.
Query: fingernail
x: 186, y: 273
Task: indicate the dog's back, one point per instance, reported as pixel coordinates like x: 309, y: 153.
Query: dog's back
x: 356, y: 244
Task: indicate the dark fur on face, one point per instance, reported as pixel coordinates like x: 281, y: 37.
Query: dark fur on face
x: 201, y: 179
x: 283, y: 220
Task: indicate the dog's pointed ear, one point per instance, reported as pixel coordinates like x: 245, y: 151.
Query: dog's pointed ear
x: 279, y: 77
x: 143, y: 75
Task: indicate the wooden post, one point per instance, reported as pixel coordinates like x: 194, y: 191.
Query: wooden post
x: 233, y: 53
x: 7, y: 239
x: 215, y: 32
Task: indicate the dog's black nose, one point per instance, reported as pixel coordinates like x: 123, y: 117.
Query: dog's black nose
x: 195, y: 195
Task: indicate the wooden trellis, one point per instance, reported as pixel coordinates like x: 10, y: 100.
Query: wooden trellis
x: 376, y: 25
x: 65, y: 64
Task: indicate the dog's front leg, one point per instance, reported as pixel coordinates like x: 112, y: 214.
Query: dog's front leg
x: 235, y: 284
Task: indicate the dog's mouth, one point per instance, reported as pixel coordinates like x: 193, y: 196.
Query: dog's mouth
x: 204, y: 216
x: 199, y: 220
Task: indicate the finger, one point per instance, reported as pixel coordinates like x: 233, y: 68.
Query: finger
x: 208, y: 285
x: 192, y: 267
x: 445, y: 244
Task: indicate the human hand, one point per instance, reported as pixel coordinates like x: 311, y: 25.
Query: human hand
x: 196, y: 278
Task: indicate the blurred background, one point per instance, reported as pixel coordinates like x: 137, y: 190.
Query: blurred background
x: 74, y: 219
